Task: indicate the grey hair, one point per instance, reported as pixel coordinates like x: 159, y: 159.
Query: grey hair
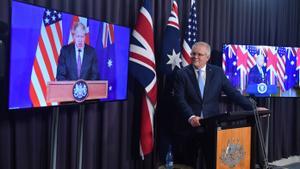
x: 201, y: 43
x: 78, y: 24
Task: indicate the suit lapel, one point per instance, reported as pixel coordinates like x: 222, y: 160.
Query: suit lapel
x: 84, y: 60
x: 209, y: 74
x: 73, y: 60
x: 192, y: 76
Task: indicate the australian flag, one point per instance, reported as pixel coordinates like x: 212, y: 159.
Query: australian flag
x: 170, y: 59
x: 290, y: 69
x: 169, y: 64
x: 107, y: 65
x: 230, y: 65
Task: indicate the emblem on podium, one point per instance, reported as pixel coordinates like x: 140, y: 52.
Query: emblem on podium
x: 233, y: 154
x: 80, y: 91
x: 262, y: 88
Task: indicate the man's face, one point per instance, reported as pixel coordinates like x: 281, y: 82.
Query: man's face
x: 260, y: 61
x: 200, y: 56
x: 79, y: 37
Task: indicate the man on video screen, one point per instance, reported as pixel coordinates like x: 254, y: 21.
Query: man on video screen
x: 77, y: 60
x: 257, y: 73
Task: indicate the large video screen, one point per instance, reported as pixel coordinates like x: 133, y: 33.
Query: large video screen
x: 49, y: 45
x: 263, y: 71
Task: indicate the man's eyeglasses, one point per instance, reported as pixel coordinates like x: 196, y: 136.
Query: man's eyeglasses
x: 198, y: 54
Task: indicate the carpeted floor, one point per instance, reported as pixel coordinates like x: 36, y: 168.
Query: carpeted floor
x: 288, y: 163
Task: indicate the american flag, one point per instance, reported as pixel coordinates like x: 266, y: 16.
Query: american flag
x: 142, y: 66
x: 85, y: 22
x: 281, y: 55
x: 252, y: 51
x: 190, y: 36
x: 46, y: 57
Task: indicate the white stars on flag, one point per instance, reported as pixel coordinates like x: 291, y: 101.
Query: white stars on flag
x: 174, y: 59
x: 109, y: 63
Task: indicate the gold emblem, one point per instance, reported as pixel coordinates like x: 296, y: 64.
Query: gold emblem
x: 233, y: 154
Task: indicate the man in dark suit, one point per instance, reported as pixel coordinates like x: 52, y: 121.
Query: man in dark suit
x: 198, y: 88
x: 77, y: 60
x: 257, y: 73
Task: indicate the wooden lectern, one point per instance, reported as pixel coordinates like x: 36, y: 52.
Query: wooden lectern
x: 61, y: 91
x: 234, y: 135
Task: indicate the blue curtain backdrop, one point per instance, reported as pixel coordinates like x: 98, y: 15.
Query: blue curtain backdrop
x: 111, y: 132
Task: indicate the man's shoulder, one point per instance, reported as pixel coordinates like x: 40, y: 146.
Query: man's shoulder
x: 185, y: 69
x: 88, y: 47
x: 214, y: 68
x: 68, y: 47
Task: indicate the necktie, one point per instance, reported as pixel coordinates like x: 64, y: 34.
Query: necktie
x: 201, y: 81
x: 78, y: 63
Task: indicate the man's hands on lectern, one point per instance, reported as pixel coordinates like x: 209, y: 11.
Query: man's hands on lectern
x: 195, y: 121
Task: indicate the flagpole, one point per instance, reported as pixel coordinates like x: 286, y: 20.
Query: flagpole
x: 53, y: 142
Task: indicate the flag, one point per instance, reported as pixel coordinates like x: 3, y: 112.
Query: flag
x: 281, y: 55
x: 190, y: 36
x: 142, y: 67
x: 170, y: 62
x: 230, y: 65
x: 252, y: 54
x: 297, y: 51
x: 242, y: 63
x: 46, y: 57
x: 108, y: 68
x: 271, y: 64
x: 170, y: 59
x: 290, y: 69
x: 85, y: 22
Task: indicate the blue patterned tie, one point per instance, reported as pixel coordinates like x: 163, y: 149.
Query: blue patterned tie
x: 201, y: 82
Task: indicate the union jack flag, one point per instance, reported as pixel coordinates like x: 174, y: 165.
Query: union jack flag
x: 242, y: 63
x: 142, y: 66
x: 190, y: 36
x: 46, y: 57
x: 271, y: 64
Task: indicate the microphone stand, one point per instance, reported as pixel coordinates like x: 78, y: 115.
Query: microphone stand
x: 260, y: 135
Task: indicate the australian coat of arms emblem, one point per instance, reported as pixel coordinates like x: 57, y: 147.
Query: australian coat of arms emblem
x: 233, y: 154
x: 80, y: 91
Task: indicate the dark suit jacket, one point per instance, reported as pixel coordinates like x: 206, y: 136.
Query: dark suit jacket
x: 255, y: 76
x: 188, y: 98
x: 67, y: 64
